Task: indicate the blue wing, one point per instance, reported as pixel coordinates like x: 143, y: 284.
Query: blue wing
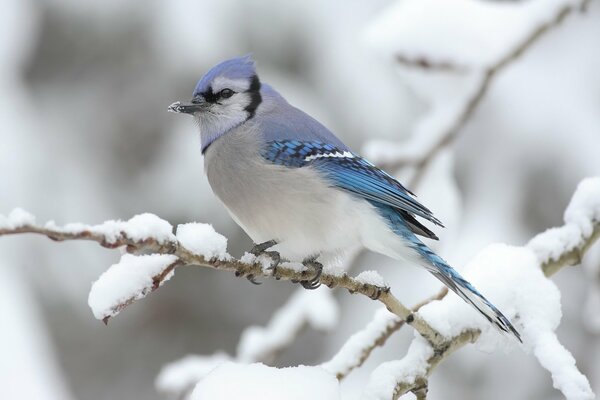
x: 352, y: 173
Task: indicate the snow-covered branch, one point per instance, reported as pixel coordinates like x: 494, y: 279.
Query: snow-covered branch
x: 193, y: 244
x: 556, y: 248
x: 444, y: 326
x: 357, y: 349
x: 528, y: 22
x: 537, y: 315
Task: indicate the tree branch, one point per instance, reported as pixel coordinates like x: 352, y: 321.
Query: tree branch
x: 186, y: 257
x: 422, y: 161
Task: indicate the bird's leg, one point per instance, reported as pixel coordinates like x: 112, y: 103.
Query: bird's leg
x: 315, y: 282
x: 260, y: 249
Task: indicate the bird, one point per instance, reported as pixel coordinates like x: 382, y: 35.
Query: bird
x: 298, y: 191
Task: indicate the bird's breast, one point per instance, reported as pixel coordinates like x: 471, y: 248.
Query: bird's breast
x: 294, y: 206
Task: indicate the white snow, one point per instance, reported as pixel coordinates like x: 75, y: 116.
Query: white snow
x: 512, y: 279
x: 316, y: 308
x: 182, y: 375
x: 260, y: 382
x: 591, y: 316
x: 410, y: 29
x: 145, y: 226
x: 565, y: 376
x: 16, y: 219
x: 139, y: 228
x: 584, y: 207
x: 385, y: 377
x: 248, y: 258
x: 353, y: 349
x: 294, y: 266
x: 203, y: 240
x: 130, y: 279
x: 371, y: 278
x: 580, y: 216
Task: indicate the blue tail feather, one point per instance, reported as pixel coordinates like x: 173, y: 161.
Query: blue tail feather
x: 446, y: 274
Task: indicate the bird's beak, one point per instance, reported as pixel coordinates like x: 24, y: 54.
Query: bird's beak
x: 185, y: 107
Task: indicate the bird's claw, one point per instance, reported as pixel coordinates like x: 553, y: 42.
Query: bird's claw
x: 376, y: 294
x: 315, y: 282
x: 253, y: 280
x: 261, y: 249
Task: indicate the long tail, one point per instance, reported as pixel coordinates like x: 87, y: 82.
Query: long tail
x: 459, y: 285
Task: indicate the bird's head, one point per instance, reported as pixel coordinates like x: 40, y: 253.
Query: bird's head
x: 225, y: 97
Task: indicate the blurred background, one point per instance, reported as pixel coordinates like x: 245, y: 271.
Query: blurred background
x: 85, y: 136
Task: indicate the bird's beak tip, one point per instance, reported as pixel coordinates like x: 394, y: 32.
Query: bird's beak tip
x: 175, y: 107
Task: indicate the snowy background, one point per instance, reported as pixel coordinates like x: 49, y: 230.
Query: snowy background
x: 85, y: 136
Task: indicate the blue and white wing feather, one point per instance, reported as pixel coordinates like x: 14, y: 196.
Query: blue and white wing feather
x: 349, y: 172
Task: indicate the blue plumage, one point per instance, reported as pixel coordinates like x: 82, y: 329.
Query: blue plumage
x: 347, y: 171
x: 235, y: 68
x: 325, y: 199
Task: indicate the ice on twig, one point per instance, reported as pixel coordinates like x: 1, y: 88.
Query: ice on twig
x: 182, y: 375
x: 258, y: 381
x: 16, y: 219
x: 203, y: 240
x: 132, y: 278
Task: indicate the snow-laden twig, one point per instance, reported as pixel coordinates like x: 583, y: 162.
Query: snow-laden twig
x: 302, y: 309
x: 535, y: 304
x: 205, y: 248
x: 177, y: 379
x: 317, y: 309
x: 357, y: 349
x: 437, y: 135
x: 258, y: 381
x: 556, y: 248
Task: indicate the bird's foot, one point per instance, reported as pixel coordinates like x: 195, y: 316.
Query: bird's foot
x: 317, y: 267
x: 261, y: 249
x: 253, y: 280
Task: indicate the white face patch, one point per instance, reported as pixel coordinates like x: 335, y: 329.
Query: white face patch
x: 337, y: 154
x: 237, y: 85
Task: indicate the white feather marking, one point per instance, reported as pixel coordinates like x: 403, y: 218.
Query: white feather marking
x: 337, y: 154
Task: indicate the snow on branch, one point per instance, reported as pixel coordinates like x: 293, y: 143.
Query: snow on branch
x: 357, y: 349
x: 317, y: 309
x: 512, y: 277
x: 194, y: 244
x: 258, y: 381
x: 477, y: 53
x: 178, y: 379
x: 515, y: 279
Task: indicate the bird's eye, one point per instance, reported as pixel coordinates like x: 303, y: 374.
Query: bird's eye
x: 226, y: 93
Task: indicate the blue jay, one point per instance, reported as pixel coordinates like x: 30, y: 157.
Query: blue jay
x: 293, y: 186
